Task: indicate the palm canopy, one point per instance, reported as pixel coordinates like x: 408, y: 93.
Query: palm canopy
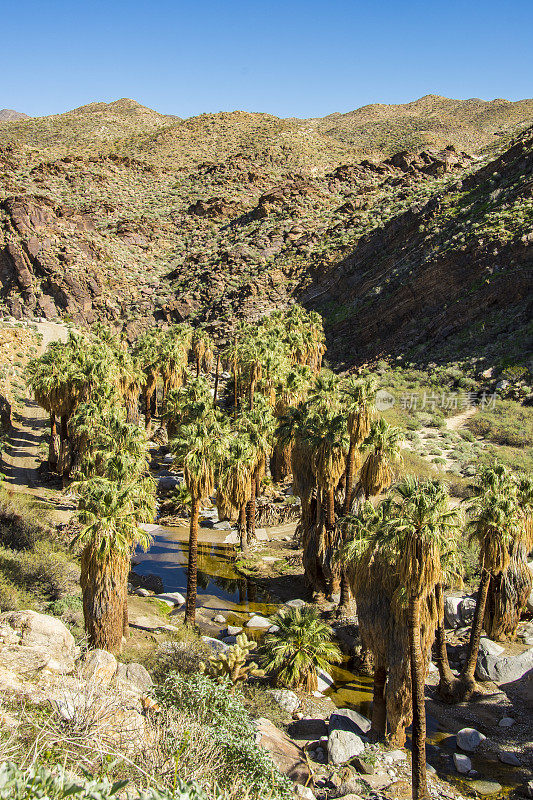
x: 110, y: 513
x: 199, y: 447
x: 357, y: 397
x: 418, y: 529
x: 328, y: 440
x: 235, y: 473
x: 495, y: 519
x: 383, y: 445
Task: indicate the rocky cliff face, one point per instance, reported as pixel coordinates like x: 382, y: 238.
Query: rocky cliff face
x: 449, y: 276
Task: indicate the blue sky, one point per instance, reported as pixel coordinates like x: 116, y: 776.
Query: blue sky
x: 289, y: 58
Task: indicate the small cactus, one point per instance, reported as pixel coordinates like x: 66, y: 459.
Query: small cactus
x: 232, y: 664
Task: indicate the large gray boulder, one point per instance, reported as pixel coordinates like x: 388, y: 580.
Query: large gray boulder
x: 346, y: 719
x: 286, y: 699
x: 343, y: 745
x: 504, y: 669
x: 469, y: 739
x: 30, y: 642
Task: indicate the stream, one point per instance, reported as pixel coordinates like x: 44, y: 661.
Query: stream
x: 222, y: 590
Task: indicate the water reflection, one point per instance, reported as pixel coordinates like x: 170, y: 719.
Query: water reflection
x: 217, y: 578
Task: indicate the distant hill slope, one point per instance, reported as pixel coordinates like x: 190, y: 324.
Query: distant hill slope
x: 127, y: 128
x: 114, y: 212
x: 8, y: 115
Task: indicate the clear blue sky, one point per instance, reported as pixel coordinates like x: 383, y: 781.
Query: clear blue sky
x: 289, y: 58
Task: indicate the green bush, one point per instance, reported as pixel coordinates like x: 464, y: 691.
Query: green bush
x: 18, y: 528
x: 508, y: 424
x: 223, y: 711
x: 11, y: 597
x: 39, y: 783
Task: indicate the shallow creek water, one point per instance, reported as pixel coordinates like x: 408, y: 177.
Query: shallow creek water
x: 222, y: 590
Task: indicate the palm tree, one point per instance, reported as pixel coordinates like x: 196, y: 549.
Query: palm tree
x: 509, y: 590
x: 257, y: 425
x: 417, y: 531
x: 357, y: 398
x: 300, y: 647
x: 496, y: 524
x: 328, y: 442
x: 110, y: 513
x: 202, y: 351
x: 235, y: 482
x: 377, y: 472
x: 198, y: 447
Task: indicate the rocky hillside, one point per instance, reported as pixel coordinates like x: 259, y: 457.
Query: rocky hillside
x: 114, y: 212
x: 9, y: 115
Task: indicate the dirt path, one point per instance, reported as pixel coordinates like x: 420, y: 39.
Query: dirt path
x: 459, y: 420
x: 20, y: 456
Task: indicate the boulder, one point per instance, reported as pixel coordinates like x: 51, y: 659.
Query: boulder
x: 215, y: 644
x: 506, y: 757
x: 31, y: 642
x: 231, y: 538
x: 233, y: 630
x: 286, y: 754
x: 486, y: 788
x: 171, y: 598
x: 452, y: 612
x: 99, y: 666
x: 506, y: 722
x: 463, y: 765
x: 489, y: 648
x: 343, y: 745
x: 504, y: 669
x: 324, y: 681
x: 304, y: 792
x: 256, y: 621
x: 469, y: 739
x: 219, y: 619
x: 346, y: 719
x: 134, y: 675
x: 285, y: 699
x: 296, y: 603
x: 168, y: 482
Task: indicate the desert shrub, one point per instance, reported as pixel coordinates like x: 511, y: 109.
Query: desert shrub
x: 19, y: 529
x: 508, y: 424
x: 39, y: 783
x: 47, y: 572
x: 11, y: 597
x: 467, y: 435
x: 222, y: 710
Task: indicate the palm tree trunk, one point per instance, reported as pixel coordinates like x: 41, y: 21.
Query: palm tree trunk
x: 330, y: 508
x: 217, y: 371
x: 103, y: 581
x: 197, y: 367
x: 418, y: 736
x: 192, y: 570
x: 379, y: 709
x: 242, y: 528
x: 52, y: 447
x: 469, y: 668
x: 350, y: 470
x: 250, y: 509
x: 447, y: 678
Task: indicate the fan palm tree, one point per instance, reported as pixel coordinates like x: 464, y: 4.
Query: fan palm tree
x: 235, y: 482
x: 110, y: 513
x: 198, y: 447
x: 300, y: 648
x: 509, y: 590
x: 257, y: 425
x: 383, y: 443
x: 496, y: 524
x: 202, y: 351
x: 418, y: 530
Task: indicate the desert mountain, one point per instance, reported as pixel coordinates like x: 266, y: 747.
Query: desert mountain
x: 417, y: 215
x: 8, y: 115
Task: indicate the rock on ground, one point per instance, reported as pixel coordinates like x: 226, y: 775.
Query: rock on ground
x: 348, y: 720
x: 504, y: 669
x: 286, y: 754
x: 463, y: 765
x: 343, y: 745
x: 469, y: 739
x: 285, y: 699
